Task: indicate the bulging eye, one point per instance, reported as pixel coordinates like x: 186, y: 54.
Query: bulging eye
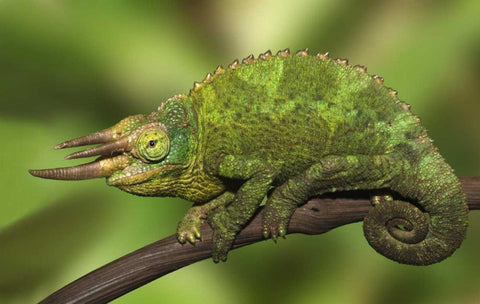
x: 153, y: 145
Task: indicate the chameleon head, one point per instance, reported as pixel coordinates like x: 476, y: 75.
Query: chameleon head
x: 137, y: 153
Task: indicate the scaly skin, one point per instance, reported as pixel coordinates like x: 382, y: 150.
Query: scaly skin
x: 286, y: 128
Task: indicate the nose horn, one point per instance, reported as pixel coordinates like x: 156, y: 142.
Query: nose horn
x: 85, y: 171
x: 94, y: 138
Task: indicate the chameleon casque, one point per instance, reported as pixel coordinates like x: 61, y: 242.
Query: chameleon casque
x: 285, y: 128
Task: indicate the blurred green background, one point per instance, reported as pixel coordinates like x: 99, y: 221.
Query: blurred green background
x: 68, y: 68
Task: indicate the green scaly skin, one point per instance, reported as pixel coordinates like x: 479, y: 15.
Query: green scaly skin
x: 289, y: 127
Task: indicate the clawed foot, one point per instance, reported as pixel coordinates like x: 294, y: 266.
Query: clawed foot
x: 276, y: 219
x: 189, y: 228
x: 224, y: 232
x: 274, y: 225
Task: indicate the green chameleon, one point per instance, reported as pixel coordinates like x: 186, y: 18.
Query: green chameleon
x: 285, y: 128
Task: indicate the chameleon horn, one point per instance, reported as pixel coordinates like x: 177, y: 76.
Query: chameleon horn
x: 94, y: 138
x: 85, y: 171
x: 120, y: 145
x: 99, y: 168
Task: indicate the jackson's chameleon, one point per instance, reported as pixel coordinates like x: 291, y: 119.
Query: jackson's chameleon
x: 285, y: 128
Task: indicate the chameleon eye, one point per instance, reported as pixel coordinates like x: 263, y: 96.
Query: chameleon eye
x: 153, y: 145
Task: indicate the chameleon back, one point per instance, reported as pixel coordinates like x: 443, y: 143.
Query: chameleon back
x: 298, y: 109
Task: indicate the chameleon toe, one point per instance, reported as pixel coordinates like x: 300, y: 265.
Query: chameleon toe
x: 181, y: 238
x: 191, y: 239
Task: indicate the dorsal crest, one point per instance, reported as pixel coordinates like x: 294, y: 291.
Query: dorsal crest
x: 268, y: 55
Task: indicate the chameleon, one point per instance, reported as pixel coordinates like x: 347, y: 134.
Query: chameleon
x: 278, y: 130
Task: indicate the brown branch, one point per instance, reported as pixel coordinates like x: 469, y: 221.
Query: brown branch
x: 157, y: 259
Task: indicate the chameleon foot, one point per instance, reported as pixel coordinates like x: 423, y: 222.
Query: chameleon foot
x: 224, y: 232
x: 275, y: 222
x: 189, y: 227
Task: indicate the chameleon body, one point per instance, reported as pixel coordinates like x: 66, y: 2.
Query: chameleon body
x: 285, y: 128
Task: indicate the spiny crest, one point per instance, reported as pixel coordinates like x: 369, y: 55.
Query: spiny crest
x: 378, y: 79
x: 342, y: 62
x: 324, y: 56
x: 392, y: 92
x: 361, y: 68
x: 265, y: 56
x: 249, y: 59
x: 208, y: 78
x: 301, y: 53
x: 196, y: 85
x: 219, y: 70
x: 405, y: 105
x: 233, y: 65
x: 284, y: 53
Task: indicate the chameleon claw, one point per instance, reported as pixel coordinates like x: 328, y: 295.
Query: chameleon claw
x: 191, y: 239
x: 197, y: 233
x: 282, y: 232
x: 266, y: 233
x: 274, y: 236
x: 217, y: 259
x: 190, y: 236
x: 181, y: 239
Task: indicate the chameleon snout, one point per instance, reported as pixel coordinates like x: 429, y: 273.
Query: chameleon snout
x: 110, y: 158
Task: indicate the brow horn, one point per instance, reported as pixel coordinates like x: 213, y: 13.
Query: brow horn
x: 94, y: 138
x: 120, y: 145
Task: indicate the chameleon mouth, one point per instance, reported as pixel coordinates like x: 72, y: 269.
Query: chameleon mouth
x: 137, y: 174
x: 131, y: 176
x: 112, y: 157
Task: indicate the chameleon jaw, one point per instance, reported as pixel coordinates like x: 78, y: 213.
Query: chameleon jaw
x: 129, y: 177
x: 138, y: 174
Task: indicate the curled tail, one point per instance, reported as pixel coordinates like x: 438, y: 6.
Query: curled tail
x: 427, y: 230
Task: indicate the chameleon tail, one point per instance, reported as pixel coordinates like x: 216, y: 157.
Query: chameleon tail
x: 427, y: 231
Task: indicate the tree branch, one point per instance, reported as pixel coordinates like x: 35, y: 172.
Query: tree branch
x: 159, y: 258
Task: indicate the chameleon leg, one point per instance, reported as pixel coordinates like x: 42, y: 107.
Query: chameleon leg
x: 189, y: 227
x: 228, y: 221
x: 330, y: 174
